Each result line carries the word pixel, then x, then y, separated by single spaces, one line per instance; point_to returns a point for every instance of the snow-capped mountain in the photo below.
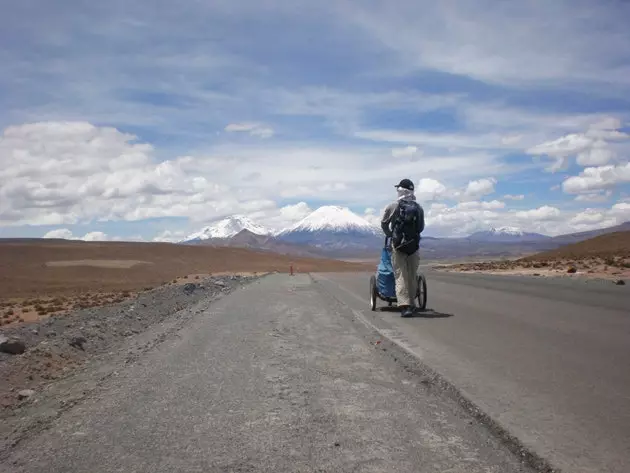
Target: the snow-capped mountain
pixel 333 228
pixel 227 228
pixel 507 234
pixel 333 218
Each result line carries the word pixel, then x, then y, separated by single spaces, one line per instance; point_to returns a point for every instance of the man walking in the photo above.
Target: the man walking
pixel 402 222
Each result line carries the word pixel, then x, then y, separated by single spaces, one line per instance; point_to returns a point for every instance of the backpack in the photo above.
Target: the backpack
pixel 405 226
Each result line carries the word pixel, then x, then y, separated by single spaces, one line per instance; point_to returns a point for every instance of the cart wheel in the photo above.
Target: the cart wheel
pixel 422 292
pixel 373 293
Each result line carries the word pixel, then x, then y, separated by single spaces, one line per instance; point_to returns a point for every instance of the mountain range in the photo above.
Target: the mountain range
pixel 507 234
pixel 333 231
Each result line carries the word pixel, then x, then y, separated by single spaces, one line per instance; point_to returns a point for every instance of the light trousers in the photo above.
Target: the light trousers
pixel 406 274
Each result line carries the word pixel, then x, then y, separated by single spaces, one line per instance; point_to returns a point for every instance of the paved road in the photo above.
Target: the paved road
pixel 549 359
pixel 276 377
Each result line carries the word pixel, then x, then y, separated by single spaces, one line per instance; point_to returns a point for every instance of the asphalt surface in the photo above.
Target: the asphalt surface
pixel 548 359
pixel 276 377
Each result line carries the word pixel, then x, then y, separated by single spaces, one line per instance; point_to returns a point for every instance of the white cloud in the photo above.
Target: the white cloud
pixel 60 233
pixel 511 139
pixel 594 197
pixel 468 217
pixel 590 219
pixel 65 173
pixel 478 189
pixel 621 211
pixel 597 155
pixel 564 146
pixel 170 236
pixel 483 41
pixel 95 236
pixel 597 178
pixel 591 148
pixel 514 196
pixel 429 189
pixel 371 215
pixel 459 220
pixel 411 152
pixel 282 217
pixel 67 234
pixel 469 141
pixel 543 213
pixel 254 129
pixel 328 190
pixel 60 173
pixel 483 205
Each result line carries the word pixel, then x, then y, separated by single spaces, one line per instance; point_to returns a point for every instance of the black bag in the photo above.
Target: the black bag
pixel 405 227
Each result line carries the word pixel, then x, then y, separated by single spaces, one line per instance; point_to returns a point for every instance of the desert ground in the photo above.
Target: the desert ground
pixel 604 257
pixel 39 278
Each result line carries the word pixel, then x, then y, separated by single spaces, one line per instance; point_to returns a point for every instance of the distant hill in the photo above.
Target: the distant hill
pixel 615 244
pixel 581 236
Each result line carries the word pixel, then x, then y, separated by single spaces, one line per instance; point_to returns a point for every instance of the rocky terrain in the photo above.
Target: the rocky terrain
pixel 603 257
pixel 49 365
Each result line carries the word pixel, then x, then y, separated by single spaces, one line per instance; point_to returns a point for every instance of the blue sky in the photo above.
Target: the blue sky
pixel 148 120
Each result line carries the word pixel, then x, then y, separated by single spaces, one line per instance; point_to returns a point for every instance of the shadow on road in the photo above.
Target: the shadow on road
pixel 432 314
pixel 427 313
pixel 390 309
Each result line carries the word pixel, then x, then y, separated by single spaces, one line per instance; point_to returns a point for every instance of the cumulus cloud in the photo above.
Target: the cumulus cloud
pixel 170 236
pixel 60 173
pixel 461 219
pixel 467 217
pixel 429 189
pixel 477 189
pixel 254 129
pixel 277 219
pixel 597 178
pixel 95 236
pixel 591 218
pixel 598 154
pixel 60 233
pixel 67 234
pixel 513 196
pixel 591 148
pixel 543 213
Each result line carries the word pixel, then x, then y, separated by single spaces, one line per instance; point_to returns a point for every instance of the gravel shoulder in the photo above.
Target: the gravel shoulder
pixel 69 357
pixel 275 377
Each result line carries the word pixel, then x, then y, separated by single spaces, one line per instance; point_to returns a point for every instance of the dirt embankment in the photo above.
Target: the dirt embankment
pixel 49 365
pixel 604 257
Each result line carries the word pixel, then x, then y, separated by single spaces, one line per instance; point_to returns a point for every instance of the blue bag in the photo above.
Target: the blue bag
pixel 385 279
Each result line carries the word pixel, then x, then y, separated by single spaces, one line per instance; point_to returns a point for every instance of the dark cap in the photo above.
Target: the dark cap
pixel 406 184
